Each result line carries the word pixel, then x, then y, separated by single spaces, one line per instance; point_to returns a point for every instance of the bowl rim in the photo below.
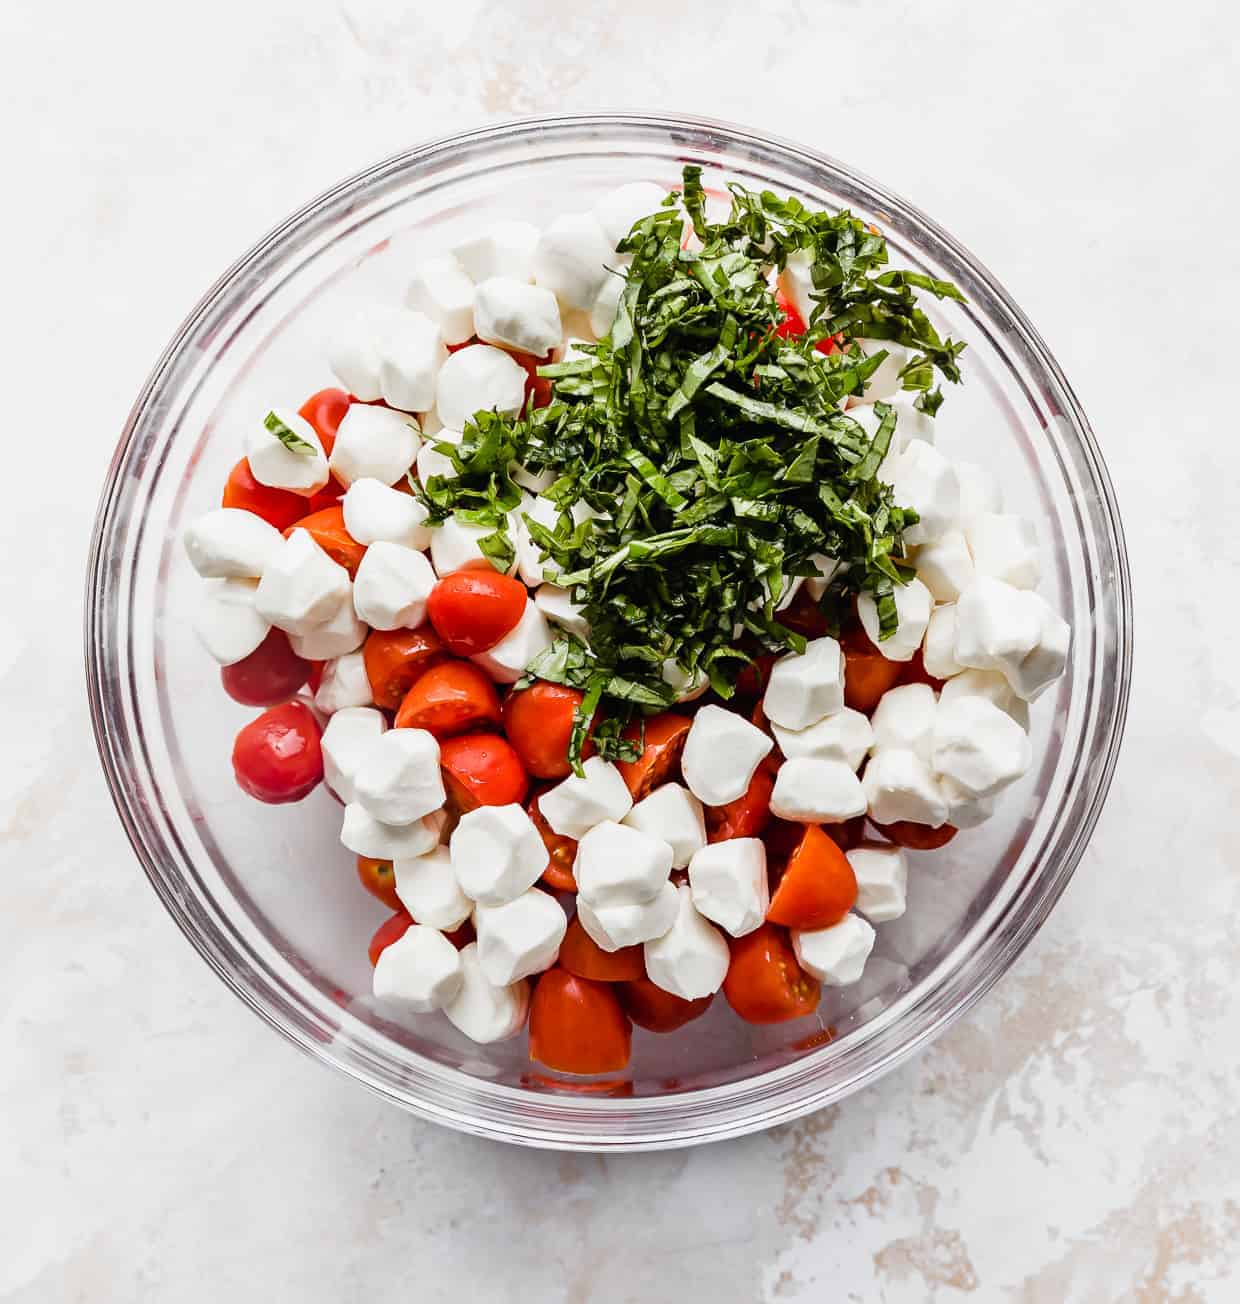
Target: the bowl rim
pixel 746 1113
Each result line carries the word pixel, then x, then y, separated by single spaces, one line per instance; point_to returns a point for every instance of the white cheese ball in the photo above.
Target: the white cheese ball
pixel 374 443
pixel 478 378
pixel 913 607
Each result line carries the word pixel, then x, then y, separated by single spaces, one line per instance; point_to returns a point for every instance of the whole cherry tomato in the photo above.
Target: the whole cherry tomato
pixel 753 678
pixel 327 529
pixel 538 721
pixel 277 757
pixel 581 955
pixel 818 886
pixel 379 880
pixel 748 815
pixel 482 770
pixel 664 741
pixel 449 698
pixel 396 659
pixel 577 1026
pixel 765 984
pixel 277 507
pixel 916 837
pixel 867 673
pixel 271 674
pixel 472 610
pixel 325 411
pixel 391 930
pixel 561 851
pixel 652 1008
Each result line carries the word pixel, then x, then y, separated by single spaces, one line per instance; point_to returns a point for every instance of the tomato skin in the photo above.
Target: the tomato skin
pixel 327 529
pixel 277 757
pixel 325 411
pixel 539 722
pixel 584 958
pixel 379 880
pixel 482 770
pixel 578 1026
pixel 848 835
pixel 793 324
pixel 391 930
pixel 753 678
pixel 650 1007
pixel 396 659
pixel 473 609
pixel 867 673
pixel 915 672
pixel 537 388
pixel 804 616
pixel 818 886
pixel 765 984
pixel 665 740
pixel 271 674
pixel 561 852
pixel 748 815
pixel 916 837
pixel 449 698
pixel 277 507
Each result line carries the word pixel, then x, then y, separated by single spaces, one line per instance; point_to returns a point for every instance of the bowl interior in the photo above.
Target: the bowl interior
pixel 269 895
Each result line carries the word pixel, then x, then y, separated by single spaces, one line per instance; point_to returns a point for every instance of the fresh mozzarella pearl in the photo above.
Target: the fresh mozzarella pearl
pixel 301 586
pixel 354 356
pixel 996 625
pixel 882 881
pixel 691 959
pixel 427 887
pixel 392 586
pixel 374 443
pixel 979 491
pixel 978 746
pixel 376 513
pixel 620 209
pixel 722 751
pixel 576 804
pixel 345 683
pixel 991 685
pixel 560 609
pixel 811 791
pixel 572 258
pixel 828 568
pixel 964 809
pixel 618 865
pixel 904 717
pixel 519 938
pixel 227 621
pixel 884 384
pixel 420 970
pixel 922 478
pixel 411 351
pixel 1005 547
pixel 364 835
pixel 348 736
pixel 478 378
pixel 913 607
pixel 337 636
pixel 836 956
pixel 518 315
pixel 845 736
pixel 603 309
pixel 454 545
pixel 231 544
pixel 729 884
pixel 938 649
pixel 430 461
pixel 442 289
pixel 899 785
pixel 497 853
pixel 614 927
pixel 504 248
pixel 509 659
pixel 945 566
pixel 688 686
pixel 399 780
pixel 1045 661
pixel 483 1012
pixel 805 687
pixel 673 814
pixel 272 464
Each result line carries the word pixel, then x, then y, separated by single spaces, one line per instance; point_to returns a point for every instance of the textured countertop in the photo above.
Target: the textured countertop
pixel 1076 1137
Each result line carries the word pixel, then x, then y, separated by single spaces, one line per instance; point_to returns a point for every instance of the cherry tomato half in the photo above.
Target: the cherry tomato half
pixel 379 880
pixel 848 835
pixel 539 722
pixel 327 529
pixel 277 757
pixel 803 615
pixel 765 984
pixel 271 674
pixel 396 659
pixel 581 955
pixel 665 740
pixel 561 852
pixel 472 610
pixel 753 678
pixel 325 411
pixel 391 930
pixel 651 1007
pixel 578 1026
pixel 818 886
pixel 916 837
pixel 482 770
pixel 277 507
pixel 449 698
pixel 537 388
pixel 915 672
pixel 748 815
pixel 867 673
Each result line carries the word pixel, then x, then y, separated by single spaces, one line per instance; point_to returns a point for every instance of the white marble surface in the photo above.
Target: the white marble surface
pixel 1077 1137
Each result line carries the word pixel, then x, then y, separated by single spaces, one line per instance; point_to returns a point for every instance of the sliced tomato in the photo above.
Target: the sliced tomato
pixel 867 673
pixel 378 878
pixel 578 1026
pixel 328 530
pixel 848 835
pixel 482 770
pixel 448 699
pixel 753 678
pixel 271 674
pixel 916 837
pixel 765 984
pixel 561 852
pixel 748 815
pixel 325 411
pixel 472 610
pixel 537 388
pixel 803 616
pixel 539 723
pixel 391 930
pixel 817 887
pixel 652 1008
pixel 277 507
pixel 580 954
pixel 277 757
pixel 664 741
pixel 396 659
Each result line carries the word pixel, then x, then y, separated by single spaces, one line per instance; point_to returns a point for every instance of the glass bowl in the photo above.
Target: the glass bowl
pixel 267 894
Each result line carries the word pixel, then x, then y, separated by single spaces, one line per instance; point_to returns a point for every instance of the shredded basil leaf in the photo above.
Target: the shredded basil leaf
pixel 288 436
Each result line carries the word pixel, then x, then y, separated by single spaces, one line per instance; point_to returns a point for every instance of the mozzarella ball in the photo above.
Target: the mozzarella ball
pixel 904 717
pixel 922 478
pixel 509 659
pixel 478 378
pixel 560 609
pixel 519 938
pixel 881 872
pixel 411 352
pixel 603 309
pixel 810 791
pixel 337 636
pixel 620 209
pixel 836 956
pixel 899 785
pixel 884 383
pixel 376 513
pixel 364 835
pixel 691 959
pixel 673 814
pixel 517 315
pixel 845 736
pixel 1005 547
pixel 945 566
pixel 344 683
pixel 978 746
pixel 618 865
pixel 721 753
pixel 420 970
pixel 229 543
pixel 300 471
pixel 392 586
pixel 805 687
pixel 442 290
pixel 483 1012
pixel 576 804
pixel 348 736
pixel 615 927
pixel 572 257
pixel 913 607
pixel 301 586
pixel 374 443
pixel 503 248
pixel 227 619
pixel 938 648
pixel 427 887
pixel 729 884
pixel 400 781
pixel 497 853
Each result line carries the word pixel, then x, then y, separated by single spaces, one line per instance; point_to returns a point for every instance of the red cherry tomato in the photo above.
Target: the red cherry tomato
pixel 538 721
pixel 915 672
pixel 277 507
pixel 818 886
pixel 582 956
pixel 472 610
pixel 537 388
pixel 396 659
pixel 325 411
pixel 765 984
pixel 329 496
pixel 449 698
pixel 391 930
pixel 315 677
pixel 753 678
pixel 482 770
pixel 665 740
pixel 867 673
pixel 793 325
pixel 327 529
pixel 561 852
pixel 659 1011
pixel 271 674
pixel 748 815
pixel 379 880
pixel 916 837
pixel 277 757
pixel 577 1026
pixel 803 615
pixel 848 835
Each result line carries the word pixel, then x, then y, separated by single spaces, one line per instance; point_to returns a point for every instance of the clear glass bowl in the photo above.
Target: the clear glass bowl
pixel 268 895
